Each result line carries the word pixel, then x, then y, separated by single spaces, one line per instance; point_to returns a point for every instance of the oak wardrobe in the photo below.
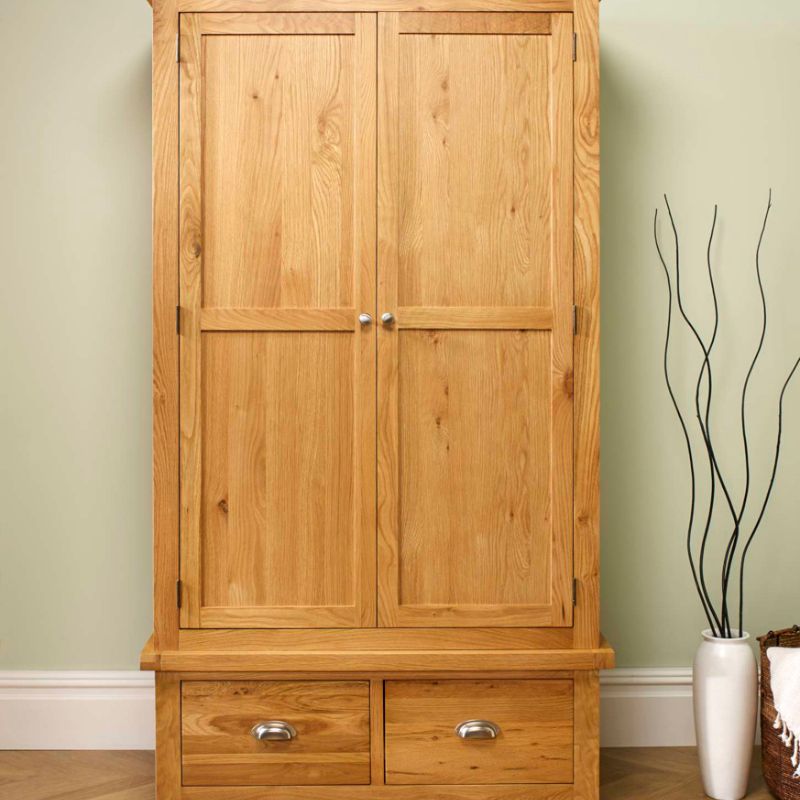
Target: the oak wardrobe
pixel 376 436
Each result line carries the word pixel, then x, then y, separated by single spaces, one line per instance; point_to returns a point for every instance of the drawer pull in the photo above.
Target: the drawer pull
pixel 477 729
pixel 273 731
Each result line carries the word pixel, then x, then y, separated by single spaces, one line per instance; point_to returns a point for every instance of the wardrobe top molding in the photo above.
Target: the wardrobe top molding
pixel 187 6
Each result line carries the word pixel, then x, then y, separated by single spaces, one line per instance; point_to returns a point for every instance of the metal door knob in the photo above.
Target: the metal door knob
pixel 387 318
pixel 365 319
pixel 477 729
pixel 273 731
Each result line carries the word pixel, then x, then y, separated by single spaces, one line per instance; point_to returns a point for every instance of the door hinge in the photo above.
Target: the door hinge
pixel 179 592
pixel 574 320
pixel 574 591
pixel 178 48
pixel 574 47
pixel 178 320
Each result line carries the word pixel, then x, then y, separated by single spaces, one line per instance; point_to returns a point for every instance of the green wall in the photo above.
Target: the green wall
pixel 698 100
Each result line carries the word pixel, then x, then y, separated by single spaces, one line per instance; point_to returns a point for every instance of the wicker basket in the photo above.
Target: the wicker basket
pixel 775 756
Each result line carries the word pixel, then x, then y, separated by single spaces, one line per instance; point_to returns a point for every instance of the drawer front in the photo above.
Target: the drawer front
pixel 328 722
pixel 534 732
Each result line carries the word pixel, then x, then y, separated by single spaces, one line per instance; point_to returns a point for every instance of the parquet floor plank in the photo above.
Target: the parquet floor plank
pixel 626 774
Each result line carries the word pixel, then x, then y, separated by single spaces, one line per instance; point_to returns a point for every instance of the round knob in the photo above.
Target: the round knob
pixel 387 318
pixel 365 319
pixel 274 731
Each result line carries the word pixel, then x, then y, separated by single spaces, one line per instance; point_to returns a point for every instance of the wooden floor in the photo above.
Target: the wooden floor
pixel 629 774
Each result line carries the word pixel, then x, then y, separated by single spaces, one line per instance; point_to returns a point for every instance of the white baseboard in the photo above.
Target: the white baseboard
pixel 77 711
pixel 646 708
pixel 114 710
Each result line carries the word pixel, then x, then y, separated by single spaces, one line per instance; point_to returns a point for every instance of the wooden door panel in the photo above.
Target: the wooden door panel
pixel 475 374
pixel 474 409
pixel 279 192
pixel 278 504
pixel 277 375
pixel 474 193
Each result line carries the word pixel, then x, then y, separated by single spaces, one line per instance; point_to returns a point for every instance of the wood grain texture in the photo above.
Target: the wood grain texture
pixel 475 318
pixel 77 774
pixel 374 5
pixel 475 231
pixel 562 343
pixel 587 735
pixel 376 726
pixel 634 773
pixel 478 22
pixel 278 429
pixel 277 319
pixel 476 477
pixel 386 662
pixel 475 190
pixel 587 343
pixel 303 24
pixel 168 736
pixel 534 745
pixel 278 170
pixel 332 745
pixel 378 639
pixel 165 342
pixel 278 380
pixel 191 301
pixel 496 792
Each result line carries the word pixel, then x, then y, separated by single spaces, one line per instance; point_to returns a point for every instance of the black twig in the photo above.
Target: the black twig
pixel 704 599
pixel 767 496
pixel 706 368
pixel 730 553
pixel 720 623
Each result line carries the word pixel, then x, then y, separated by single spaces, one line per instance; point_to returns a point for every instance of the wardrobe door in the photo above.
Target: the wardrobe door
pixel 277 261
pixel 475 228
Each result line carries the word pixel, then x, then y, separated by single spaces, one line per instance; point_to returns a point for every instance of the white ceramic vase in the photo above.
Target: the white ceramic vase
pixel 725 685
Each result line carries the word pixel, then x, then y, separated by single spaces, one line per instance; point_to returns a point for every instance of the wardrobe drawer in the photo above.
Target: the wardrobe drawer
pixel 318 733
pixel 531 720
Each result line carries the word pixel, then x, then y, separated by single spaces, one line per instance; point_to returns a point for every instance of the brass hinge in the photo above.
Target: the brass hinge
pixel 574 591
pixel 574 47
pixel 178 320
pixel 179 592
pixel 574 320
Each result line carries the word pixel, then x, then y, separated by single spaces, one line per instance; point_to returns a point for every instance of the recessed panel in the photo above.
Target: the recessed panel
pixel 475 468
pixel 277 526
pixel 475 193
pixel 278 171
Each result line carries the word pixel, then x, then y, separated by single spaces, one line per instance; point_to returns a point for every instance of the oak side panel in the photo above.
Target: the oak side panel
pixel 191 301
pixel 168 735
pixel 587 735
pixel 562 407
pixel 587 342
pixel 165 341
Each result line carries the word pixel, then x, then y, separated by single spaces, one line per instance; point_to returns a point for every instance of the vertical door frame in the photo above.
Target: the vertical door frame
pixel 363 611
pixel 559 612
pixel 166 566
pixel 586 502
